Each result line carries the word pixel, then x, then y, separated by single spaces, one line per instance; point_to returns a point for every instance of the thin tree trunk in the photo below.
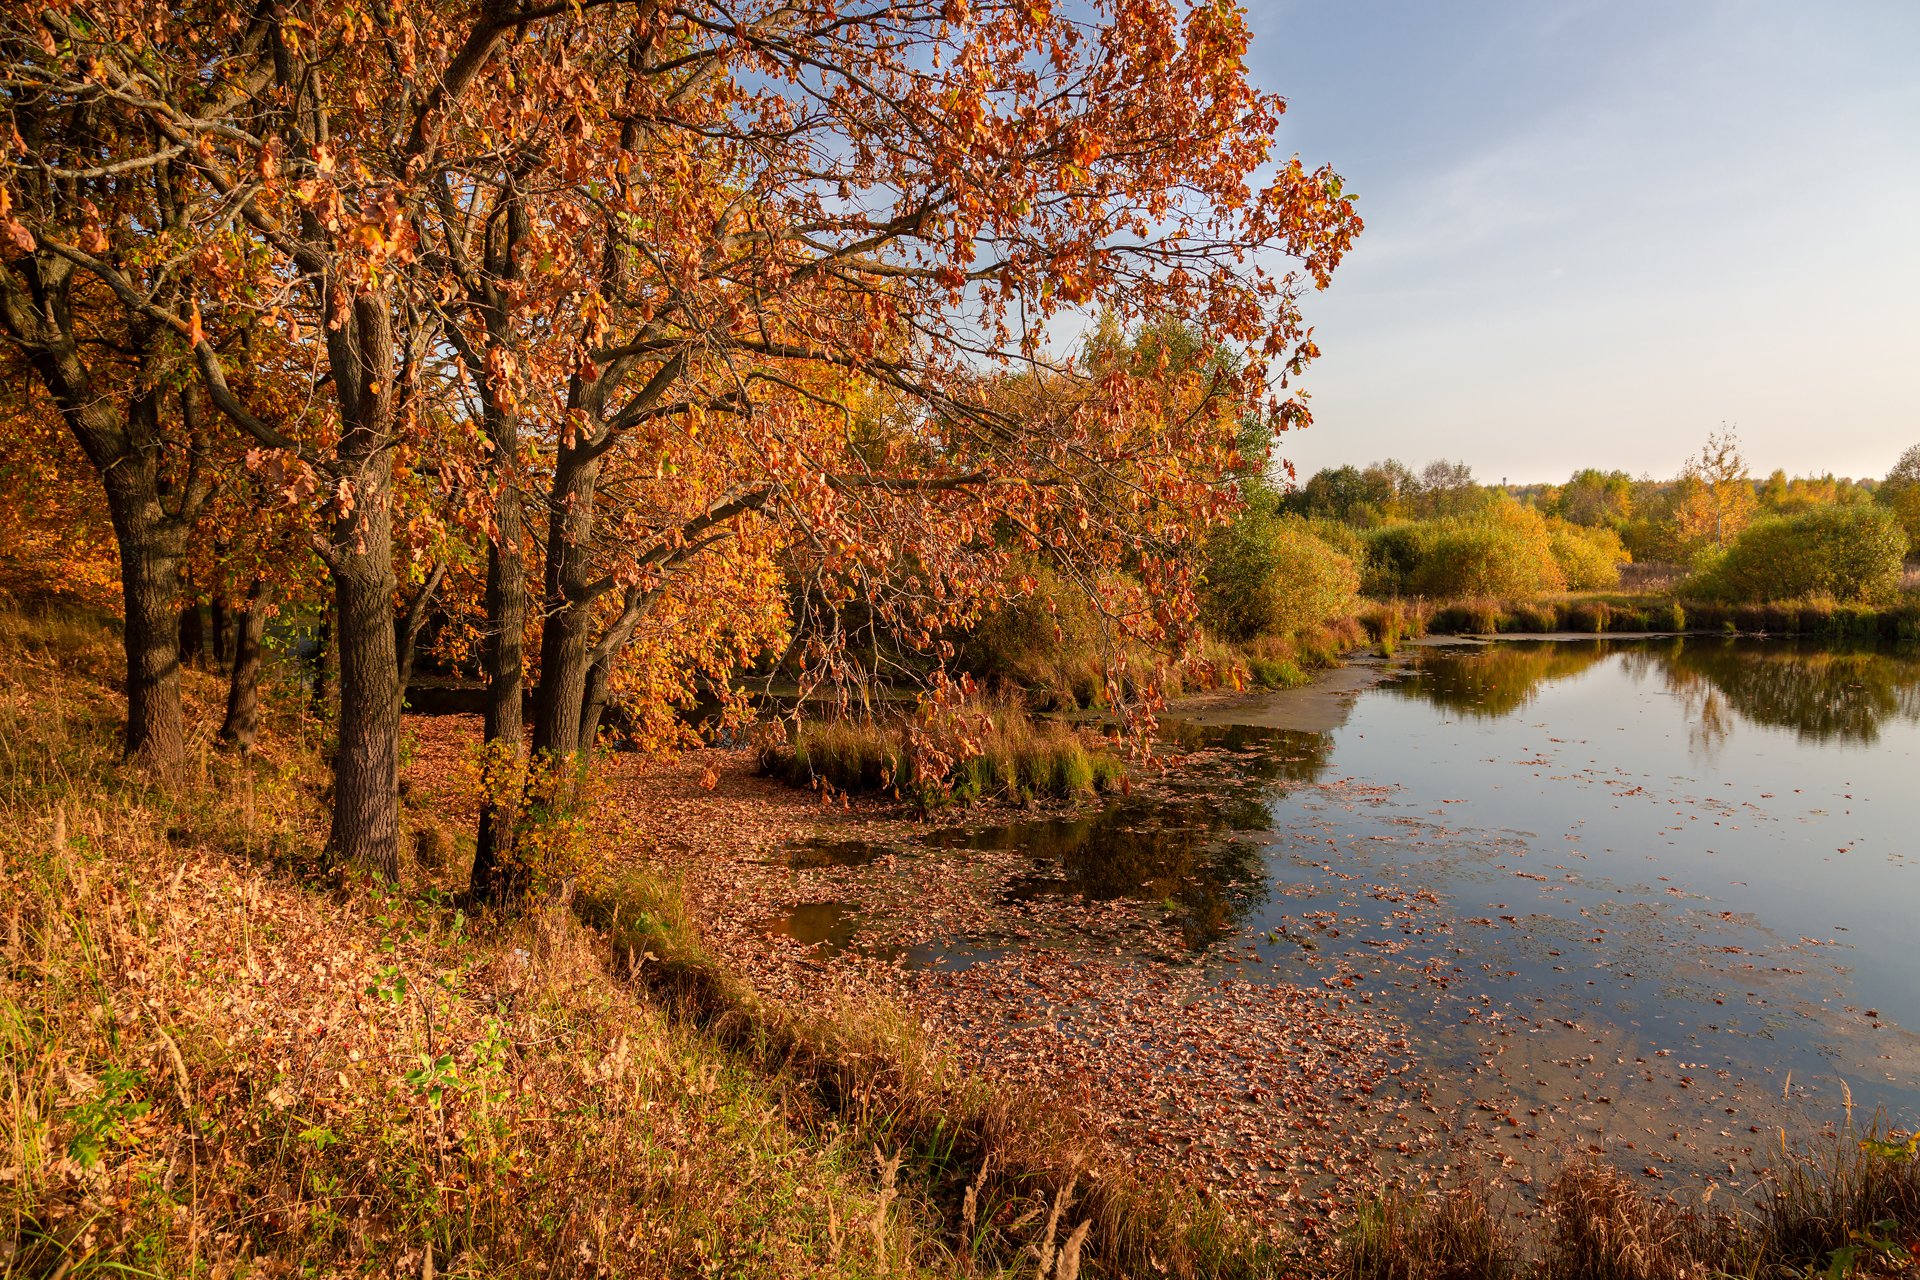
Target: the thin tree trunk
pixel 406 628
pixel 242 725
pixel 221 630
pixel 324 670
pixel 506 693
pixel 193 635
pixel 600 672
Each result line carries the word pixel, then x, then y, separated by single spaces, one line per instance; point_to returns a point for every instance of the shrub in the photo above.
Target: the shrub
pixel 1507 554
pixel 1589 559
pixel 1047 645
pixel 1270 575
pixel 1850 553
pixel 1505 551
pixel 1395 554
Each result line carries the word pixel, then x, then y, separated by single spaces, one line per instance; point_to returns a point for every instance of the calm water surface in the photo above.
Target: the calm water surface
pixel 1683 872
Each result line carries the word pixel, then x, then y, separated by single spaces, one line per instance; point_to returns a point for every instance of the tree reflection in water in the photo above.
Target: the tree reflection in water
pixel 1822 694
pixel 1171 844
pixel 1494 680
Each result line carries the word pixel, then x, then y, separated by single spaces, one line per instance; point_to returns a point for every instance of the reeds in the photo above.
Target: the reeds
pixel 1849 1208
pixel 1015 757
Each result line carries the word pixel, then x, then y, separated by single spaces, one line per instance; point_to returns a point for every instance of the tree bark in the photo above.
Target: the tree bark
pixel 193 635
pixel 407 627
pixel 506 690
pixel 366 762
pixel 565 636
pixel 600 671
pixel 222 630
pixel 242 724
pixel 150 586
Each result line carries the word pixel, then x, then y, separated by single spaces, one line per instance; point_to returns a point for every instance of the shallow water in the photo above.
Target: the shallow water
pixel 1666 889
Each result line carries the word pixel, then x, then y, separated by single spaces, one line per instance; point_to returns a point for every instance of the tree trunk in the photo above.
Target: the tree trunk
pixel 324 671
pixel 594 703
pixel 150 588
pixel 221 631
pixel 506 693
pixel 565 646
pixel 600 673
pixel 122 440
pixel 242 724
pixel 366 763
pixel 193 635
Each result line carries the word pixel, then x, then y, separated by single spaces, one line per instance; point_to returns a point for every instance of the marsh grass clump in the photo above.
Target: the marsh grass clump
pixel 1847 1208
pixel 1601 1226
pixel 1010 756
pixel 1451 1236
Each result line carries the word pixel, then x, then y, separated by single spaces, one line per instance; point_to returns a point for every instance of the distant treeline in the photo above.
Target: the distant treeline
pixel 1439 533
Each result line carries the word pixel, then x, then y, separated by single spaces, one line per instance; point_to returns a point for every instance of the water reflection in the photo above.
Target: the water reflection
pixel 1171 844
pixel 1821 694
pixel 1494 680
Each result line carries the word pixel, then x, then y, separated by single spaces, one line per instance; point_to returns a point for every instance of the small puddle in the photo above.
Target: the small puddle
pixel 811 855
pixel 828 927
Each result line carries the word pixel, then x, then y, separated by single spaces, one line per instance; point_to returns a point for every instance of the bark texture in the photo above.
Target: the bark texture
pixel 242 724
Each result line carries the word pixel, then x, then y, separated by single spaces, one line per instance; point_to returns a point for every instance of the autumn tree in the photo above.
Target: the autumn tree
pixel 1900 491
pixel 111 368
pixel 1716 498
pixel 753 228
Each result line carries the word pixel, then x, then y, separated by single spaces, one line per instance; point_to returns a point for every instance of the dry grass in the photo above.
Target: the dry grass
pixel 214 1064
pixel 1848 1212
pixel 1600 613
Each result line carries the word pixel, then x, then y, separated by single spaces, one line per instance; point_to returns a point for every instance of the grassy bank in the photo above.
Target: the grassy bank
pixel 1604 613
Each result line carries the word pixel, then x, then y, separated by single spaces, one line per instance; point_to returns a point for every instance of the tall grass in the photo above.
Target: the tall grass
pixel 1600 614
pixel 1849 1209
pixel 1015 758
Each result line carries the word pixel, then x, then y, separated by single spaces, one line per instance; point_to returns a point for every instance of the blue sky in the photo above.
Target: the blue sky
pixel 1597 229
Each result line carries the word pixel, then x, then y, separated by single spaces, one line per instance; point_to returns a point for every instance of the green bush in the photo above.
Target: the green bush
pixel 1395 554
pixel 1271 575
pixel 1045 645
pixel 1589 559
pixel 1850 553
pixel 1506 554
pixel 1504 551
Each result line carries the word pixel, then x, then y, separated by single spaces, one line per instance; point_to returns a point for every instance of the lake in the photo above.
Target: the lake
pixel 1654 898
